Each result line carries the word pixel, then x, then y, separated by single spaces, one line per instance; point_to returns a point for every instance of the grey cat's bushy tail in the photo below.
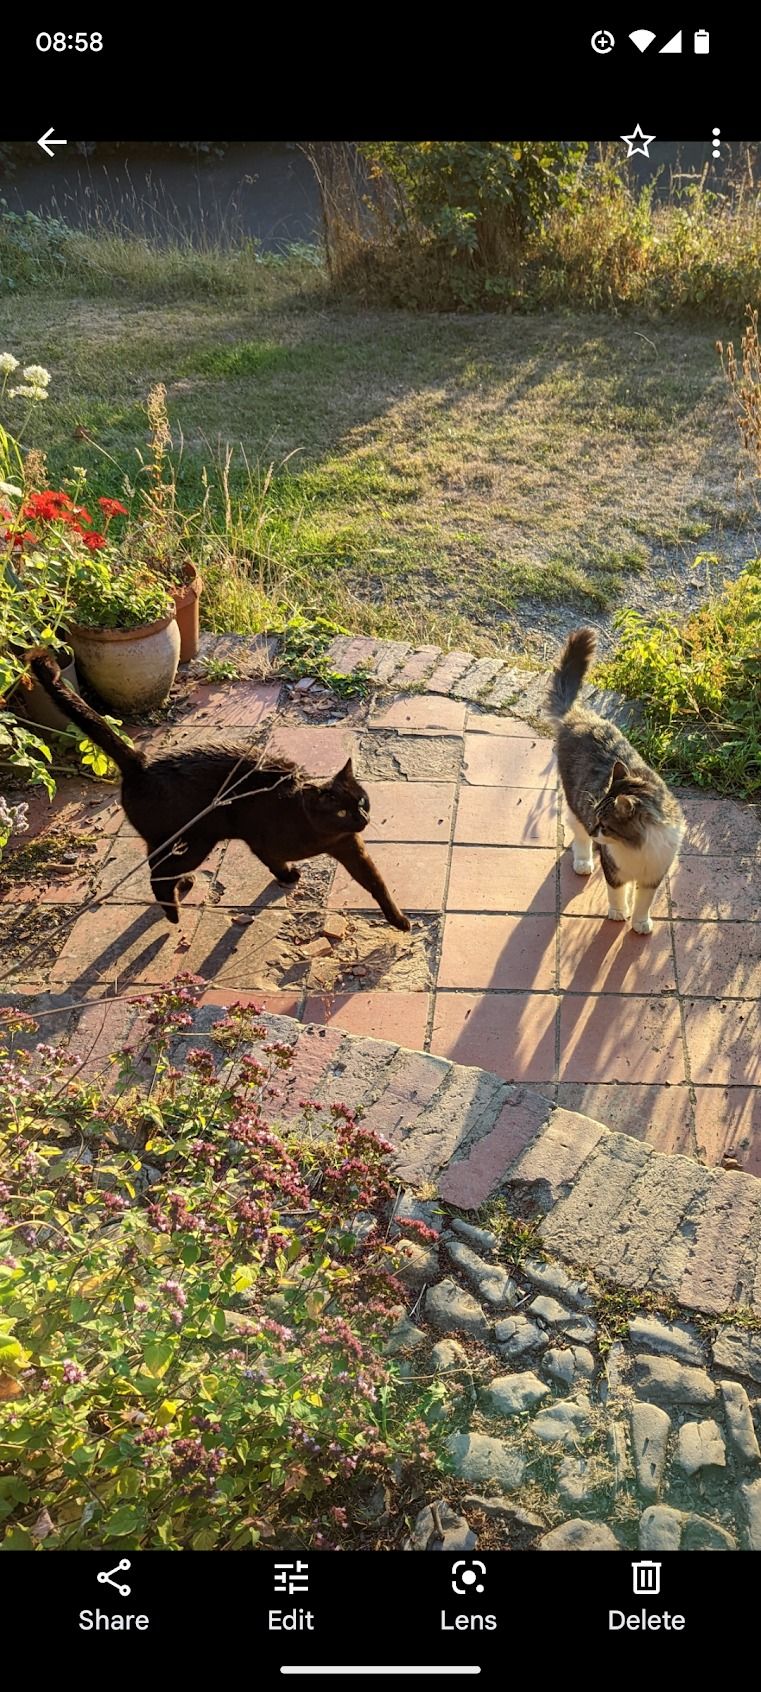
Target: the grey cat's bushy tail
pixel 577 656
pixel 124 755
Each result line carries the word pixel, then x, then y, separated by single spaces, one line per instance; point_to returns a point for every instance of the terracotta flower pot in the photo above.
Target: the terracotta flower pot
pixel 36 704
pixel 187 613
pixel 132 669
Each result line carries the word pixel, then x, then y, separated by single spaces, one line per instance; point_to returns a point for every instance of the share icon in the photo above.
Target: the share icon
pixel 105 1577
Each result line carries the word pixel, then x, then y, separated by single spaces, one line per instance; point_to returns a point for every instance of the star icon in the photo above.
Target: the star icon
pixel 637 142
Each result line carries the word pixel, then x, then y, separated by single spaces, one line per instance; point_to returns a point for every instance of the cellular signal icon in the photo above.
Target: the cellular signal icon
pixel 642 38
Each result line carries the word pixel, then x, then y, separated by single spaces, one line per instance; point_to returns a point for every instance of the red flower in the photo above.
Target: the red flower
pixel 81 511
pixel 45 507
pixel 94 541
pixel 52 507
pixel 21 537
pixel 112 507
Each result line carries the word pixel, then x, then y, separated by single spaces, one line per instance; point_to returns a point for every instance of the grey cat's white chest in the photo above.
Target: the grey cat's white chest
pixel 649 862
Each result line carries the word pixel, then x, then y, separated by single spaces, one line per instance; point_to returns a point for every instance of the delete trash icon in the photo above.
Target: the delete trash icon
pixel 646 1577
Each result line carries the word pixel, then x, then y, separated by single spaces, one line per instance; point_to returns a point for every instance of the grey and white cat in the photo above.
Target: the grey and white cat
pixel 619 806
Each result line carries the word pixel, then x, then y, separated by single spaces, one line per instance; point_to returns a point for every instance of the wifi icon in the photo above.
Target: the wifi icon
pixel 642 38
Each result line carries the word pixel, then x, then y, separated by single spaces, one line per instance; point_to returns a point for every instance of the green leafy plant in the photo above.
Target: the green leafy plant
pixel 93 757
pixel 443 223
pixel 219 670
pixel 700 686
pixel 193 1306
pixel 26 753
pixel 304 642
pixel 31 247
pixel 480 197
pixel 124 598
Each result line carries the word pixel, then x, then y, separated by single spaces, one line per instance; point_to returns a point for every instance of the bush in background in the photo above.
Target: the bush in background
pixel 460 225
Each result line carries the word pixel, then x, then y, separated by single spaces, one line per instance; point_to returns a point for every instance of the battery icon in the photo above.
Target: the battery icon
pixel 701 40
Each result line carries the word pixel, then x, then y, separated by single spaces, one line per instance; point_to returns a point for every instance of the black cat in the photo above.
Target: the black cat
pixel 226 793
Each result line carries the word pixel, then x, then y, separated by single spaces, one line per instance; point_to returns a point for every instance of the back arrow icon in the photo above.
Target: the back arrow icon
pixel 48 141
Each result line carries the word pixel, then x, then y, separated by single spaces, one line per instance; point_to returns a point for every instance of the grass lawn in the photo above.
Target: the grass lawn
pixel 436 477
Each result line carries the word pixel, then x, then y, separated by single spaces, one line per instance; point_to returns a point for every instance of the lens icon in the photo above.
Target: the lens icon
pixel 603 41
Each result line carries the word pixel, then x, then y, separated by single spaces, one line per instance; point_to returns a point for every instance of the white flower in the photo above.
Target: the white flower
pixel 7 364
pixel 13 818
pixel 9 489
pixel 29 392
pixel 37 374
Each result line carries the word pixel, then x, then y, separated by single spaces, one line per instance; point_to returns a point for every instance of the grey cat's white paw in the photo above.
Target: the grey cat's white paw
pixel 643 925
pixel 583 866
pixel 616 915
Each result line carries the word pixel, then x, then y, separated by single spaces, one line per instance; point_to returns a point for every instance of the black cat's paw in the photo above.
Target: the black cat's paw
pixel 171 913
pixel 400 921
pixel 288 875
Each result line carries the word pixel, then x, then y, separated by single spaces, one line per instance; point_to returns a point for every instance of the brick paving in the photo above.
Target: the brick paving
pixel 605 1201
pixel 511 966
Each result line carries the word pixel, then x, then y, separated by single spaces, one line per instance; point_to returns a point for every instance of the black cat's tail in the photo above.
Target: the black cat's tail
pixel 125 756
pixel 577 656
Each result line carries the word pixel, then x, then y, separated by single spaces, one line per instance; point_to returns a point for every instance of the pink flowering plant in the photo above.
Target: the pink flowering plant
pixel 193 1306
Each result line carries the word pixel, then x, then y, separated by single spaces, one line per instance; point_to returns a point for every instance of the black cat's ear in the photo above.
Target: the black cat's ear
pixel 347 773
pixel 620 772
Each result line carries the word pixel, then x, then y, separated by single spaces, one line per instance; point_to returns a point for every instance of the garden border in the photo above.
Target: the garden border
pixel 610 1205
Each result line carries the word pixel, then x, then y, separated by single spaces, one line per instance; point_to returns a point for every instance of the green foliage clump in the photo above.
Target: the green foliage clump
pixel 33 248
pixel 699 683
pixel 525 225
pixel 444 223
pixel 479 197
pixel 129 598
pixel 303 652
pixel 617 247
pixel 193 1306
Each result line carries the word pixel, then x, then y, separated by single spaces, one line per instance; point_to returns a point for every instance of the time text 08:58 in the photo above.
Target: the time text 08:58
pixel 63 43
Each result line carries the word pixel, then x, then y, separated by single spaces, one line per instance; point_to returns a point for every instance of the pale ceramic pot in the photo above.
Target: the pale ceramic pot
pixel 37 706
pixel 131 669
pixel 187 613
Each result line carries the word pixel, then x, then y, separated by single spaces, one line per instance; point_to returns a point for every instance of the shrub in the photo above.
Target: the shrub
pixel 596 253
pixel 442 224
pixel 192 1306
pixel 527 225
pixel 33 248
